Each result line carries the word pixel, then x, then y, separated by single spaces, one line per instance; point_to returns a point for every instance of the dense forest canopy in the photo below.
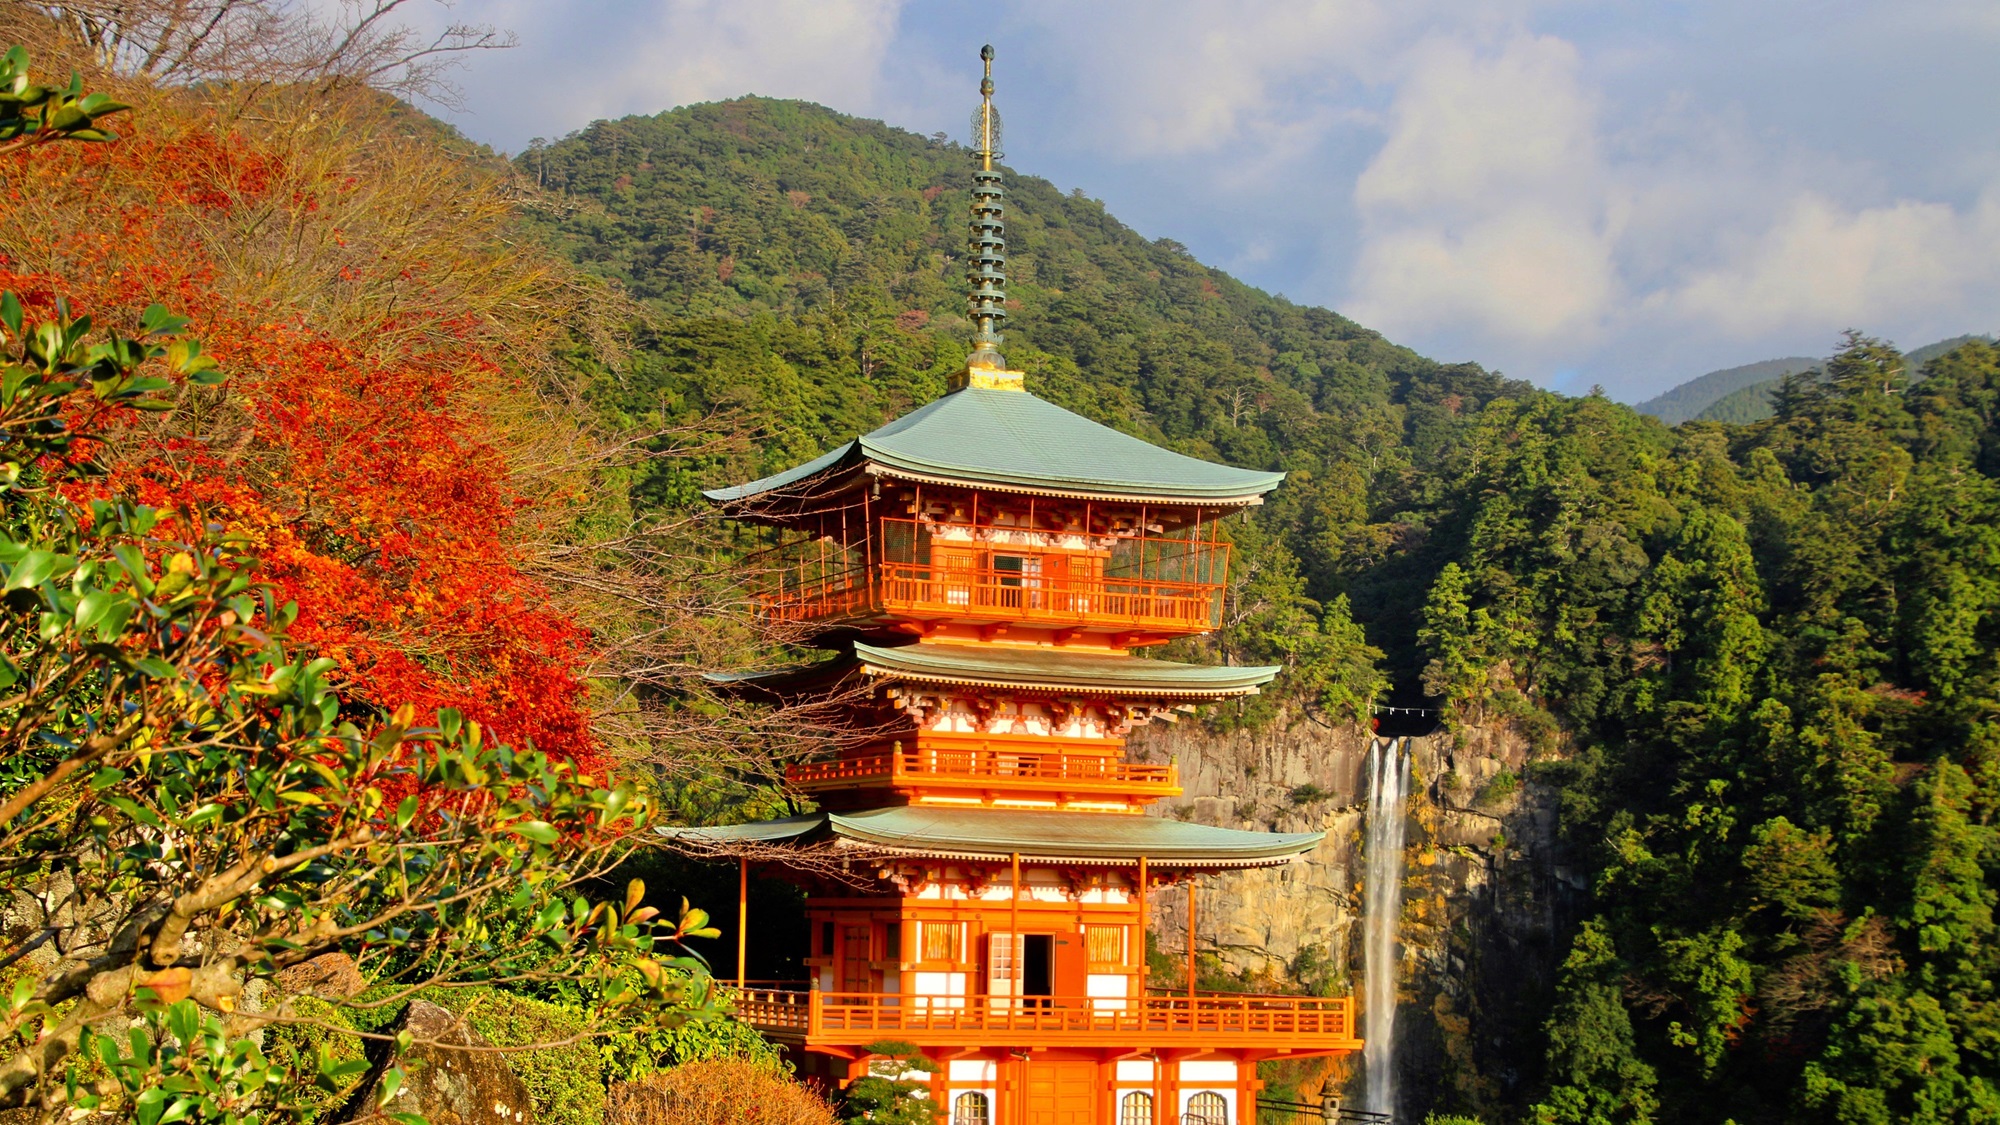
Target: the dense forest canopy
pixel 1757 662
pixel 804 267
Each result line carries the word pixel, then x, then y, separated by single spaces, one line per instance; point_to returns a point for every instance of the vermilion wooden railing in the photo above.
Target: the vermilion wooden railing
pixel 976 765
pixel 931 591
pixel 843 1016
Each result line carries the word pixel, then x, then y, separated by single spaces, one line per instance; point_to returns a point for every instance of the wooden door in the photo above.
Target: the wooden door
pixel 856 974
pixel 1061 1092
pixel 1071 968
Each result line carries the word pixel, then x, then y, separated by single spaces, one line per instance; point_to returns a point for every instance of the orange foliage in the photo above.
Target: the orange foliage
pixel 354 443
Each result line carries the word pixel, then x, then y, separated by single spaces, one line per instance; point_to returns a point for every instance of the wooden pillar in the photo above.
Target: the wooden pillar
pixel 1190 969
pixel 742 916
pixel 1142 934
pixel 1016 948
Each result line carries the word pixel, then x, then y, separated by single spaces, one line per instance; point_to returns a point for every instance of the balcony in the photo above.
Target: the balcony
pixel 992 764
pixel 908 570
pixel 1290 1024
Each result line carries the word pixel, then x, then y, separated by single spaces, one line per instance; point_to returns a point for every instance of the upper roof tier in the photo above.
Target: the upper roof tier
pixel 1008 440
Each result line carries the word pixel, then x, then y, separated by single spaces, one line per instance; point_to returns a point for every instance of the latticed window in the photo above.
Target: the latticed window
pixel 1000 964
pixel 940 941
pixel 970 1109
pixel 1106 944
pixel 1136 1108
pixel 1206 1108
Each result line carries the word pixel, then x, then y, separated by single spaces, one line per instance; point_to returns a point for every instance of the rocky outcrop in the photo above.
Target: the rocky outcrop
pixel 444 1082
pixel 1268 923
pixel 329 976
pixel 1487 899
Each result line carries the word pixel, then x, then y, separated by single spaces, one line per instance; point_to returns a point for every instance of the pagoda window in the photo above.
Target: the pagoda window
pixel 1206 1108
pixel 1106 945
pixel 826 939
pixel 1136 1108
pixel 972 1109
pixel 942 942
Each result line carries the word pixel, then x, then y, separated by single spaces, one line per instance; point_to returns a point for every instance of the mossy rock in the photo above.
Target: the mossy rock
pixel 566 1080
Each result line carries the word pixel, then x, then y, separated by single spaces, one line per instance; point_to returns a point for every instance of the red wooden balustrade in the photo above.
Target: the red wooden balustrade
pixel 920 765
pixel 843 1017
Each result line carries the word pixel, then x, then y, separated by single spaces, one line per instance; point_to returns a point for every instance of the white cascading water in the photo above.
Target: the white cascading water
pixel 1382 910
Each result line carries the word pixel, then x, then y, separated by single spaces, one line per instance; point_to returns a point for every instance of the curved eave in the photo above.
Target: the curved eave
pixel 1056 669
pixel 794 483
pixel 990 835
pixel 1008 441
pixel 1021 669
pixel 1192 863
pixel 1058 685
pixel 1236 495
pixel 771 495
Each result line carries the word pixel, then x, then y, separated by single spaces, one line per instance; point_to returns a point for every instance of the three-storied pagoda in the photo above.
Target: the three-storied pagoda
pixel 983 568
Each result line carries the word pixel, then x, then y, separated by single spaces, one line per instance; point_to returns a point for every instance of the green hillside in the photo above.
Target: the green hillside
pixel 1743 406
pixel 805 269
pixel 1689 399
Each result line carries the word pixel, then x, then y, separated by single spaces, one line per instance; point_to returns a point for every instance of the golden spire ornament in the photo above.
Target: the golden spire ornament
pixel 987 271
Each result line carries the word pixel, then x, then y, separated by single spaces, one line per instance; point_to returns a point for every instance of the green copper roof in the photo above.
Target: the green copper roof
pixel 1023 667
pixel 1011 438
pixel 996 833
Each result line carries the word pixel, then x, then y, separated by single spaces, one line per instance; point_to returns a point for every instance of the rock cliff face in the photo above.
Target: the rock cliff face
pixel 1487 900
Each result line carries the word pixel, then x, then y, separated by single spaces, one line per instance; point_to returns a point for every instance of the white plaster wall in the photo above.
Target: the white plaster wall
pixel 1135 1070
pixel 940 990
pixel 1208 1070
pixel 973 1070
pixel 1107 990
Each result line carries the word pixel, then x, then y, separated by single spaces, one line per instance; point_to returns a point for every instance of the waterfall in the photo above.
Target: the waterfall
pixel 1382 909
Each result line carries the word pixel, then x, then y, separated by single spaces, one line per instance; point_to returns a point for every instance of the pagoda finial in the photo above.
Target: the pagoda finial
pixel 987 273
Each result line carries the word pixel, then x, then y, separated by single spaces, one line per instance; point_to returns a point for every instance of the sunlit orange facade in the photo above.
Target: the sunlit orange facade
pixel 980 867
pixel 990 826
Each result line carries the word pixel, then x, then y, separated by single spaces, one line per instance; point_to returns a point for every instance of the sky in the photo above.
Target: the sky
pixel 1626 194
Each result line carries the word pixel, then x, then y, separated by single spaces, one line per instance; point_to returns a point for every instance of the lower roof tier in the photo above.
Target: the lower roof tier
pixel 1019 667
pixel 997 834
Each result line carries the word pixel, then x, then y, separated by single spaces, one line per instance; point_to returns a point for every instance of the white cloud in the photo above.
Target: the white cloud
pixel 1507 213
pixel 1169 78
pixel 1489 207
pixel 1524 275
pixel 830 51
pixel 1821 264
pixel 579 62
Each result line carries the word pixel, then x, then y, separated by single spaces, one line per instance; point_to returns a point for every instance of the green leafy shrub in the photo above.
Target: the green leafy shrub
pixel 1501 786
pixel 884 1096
pixel 317 1031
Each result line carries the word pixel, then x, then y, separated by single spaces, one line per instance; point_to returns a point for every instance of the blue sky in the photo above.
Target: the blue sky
pixel 1619 193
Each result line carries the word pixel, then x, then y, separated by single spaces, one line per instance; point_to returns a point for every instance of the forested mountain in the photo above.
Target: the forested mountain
pixel 1757 663
pixel 1687 400
pixel 1753 403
